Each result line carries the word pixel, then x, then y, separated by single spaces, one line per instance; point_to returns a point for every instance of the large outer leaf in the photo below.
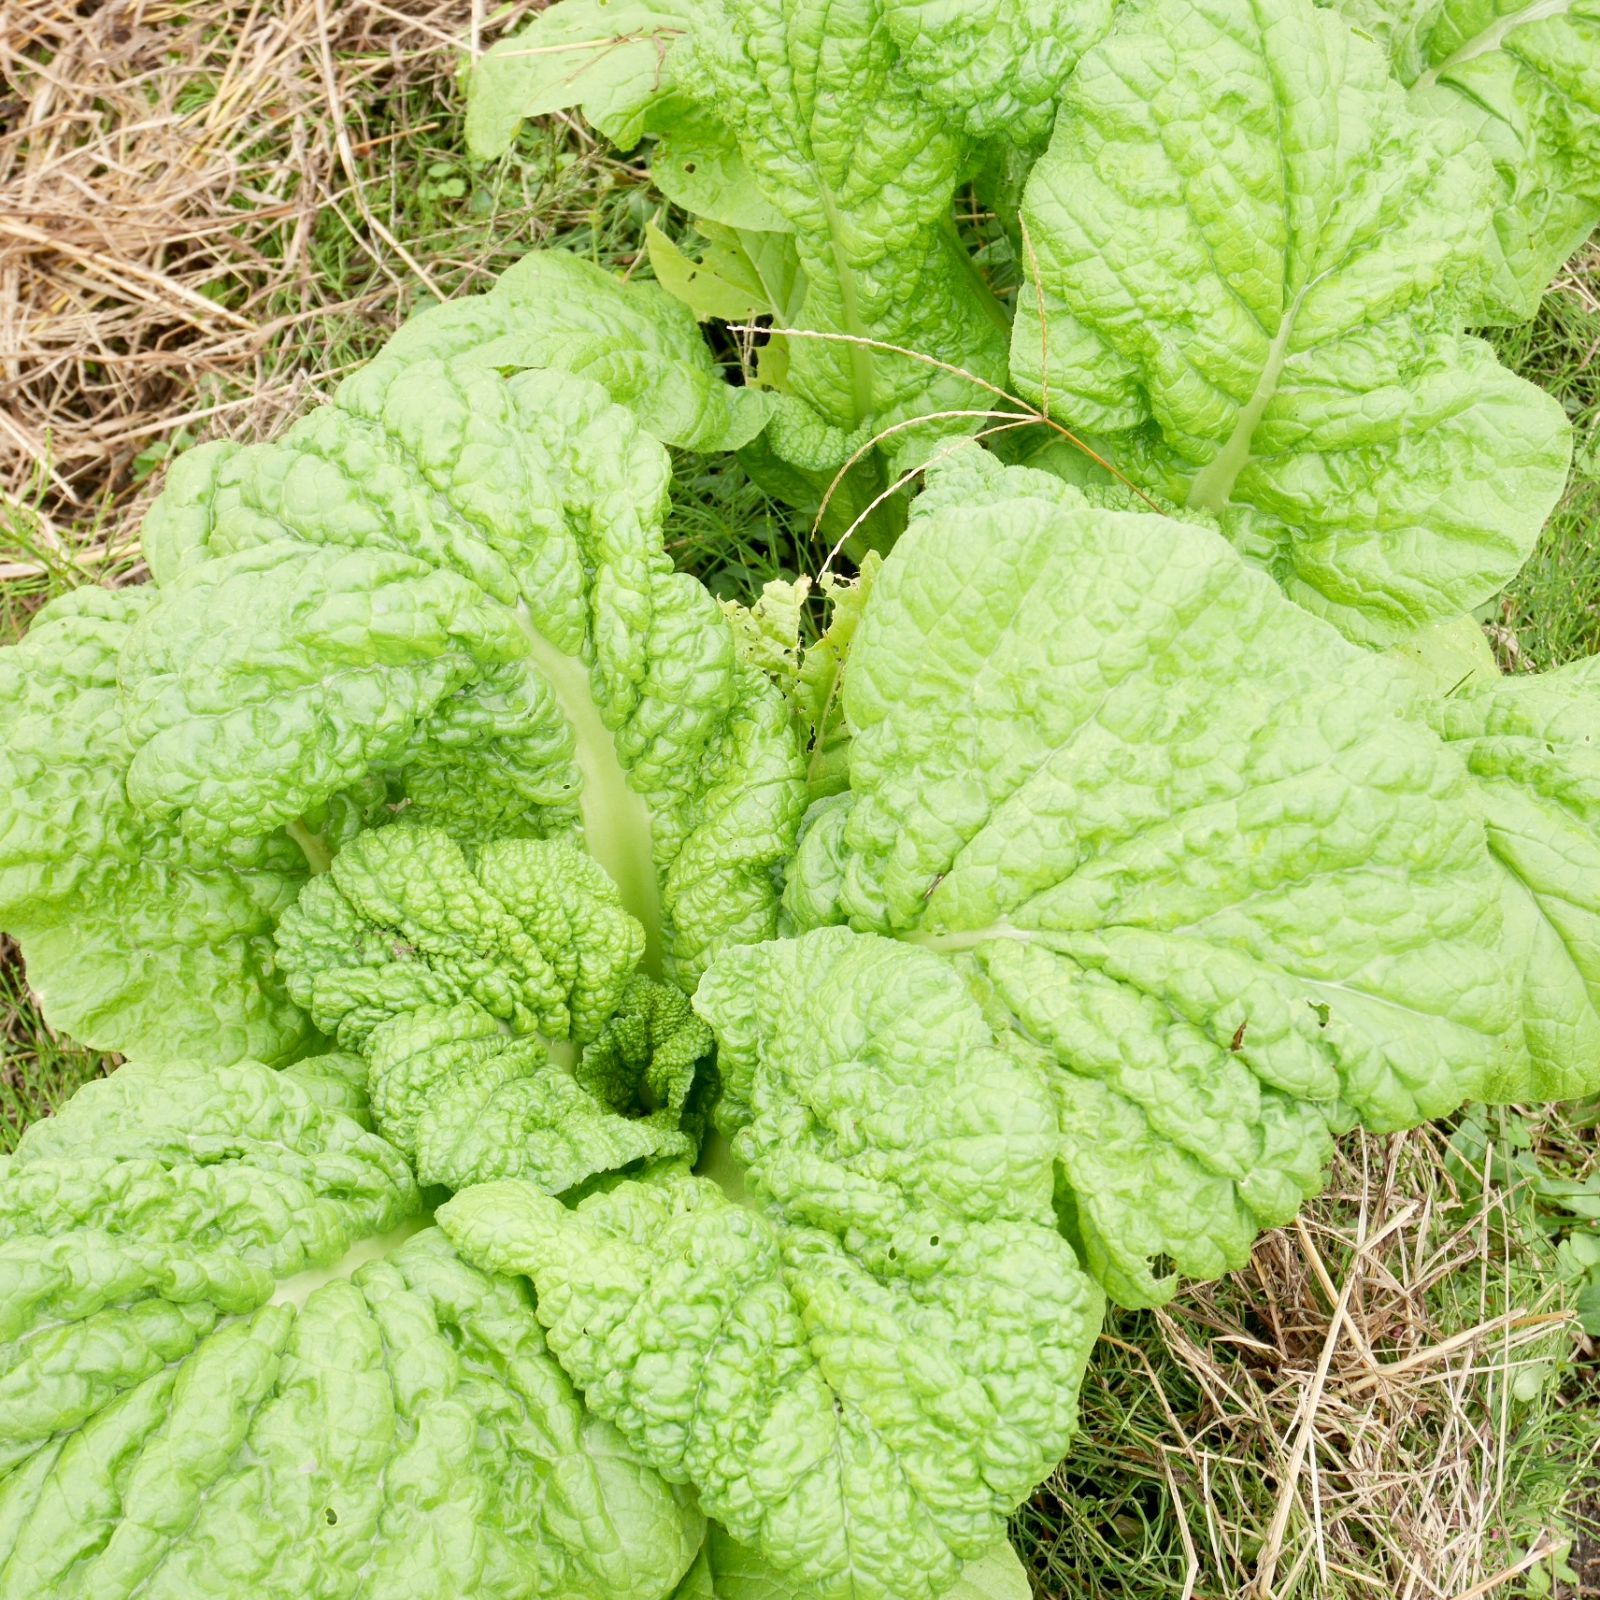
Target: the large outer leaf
pixel 1534 745
pixel 135 936
pixel 1177 838
pixel 456 579
pixel 1254 260
pixel 1525 81
pixel 864 1367
pixel 192 1405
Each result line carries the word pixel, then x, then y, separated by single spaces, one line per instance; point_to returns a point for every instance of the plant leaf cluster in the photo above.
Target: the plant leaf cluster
pixel 637 1096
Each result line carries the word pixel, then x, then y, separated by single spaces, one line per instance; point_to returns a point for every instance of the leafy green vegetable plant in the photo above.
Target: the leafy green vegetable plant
pixel 635 1100
pixel 1252 308
pixel 443 595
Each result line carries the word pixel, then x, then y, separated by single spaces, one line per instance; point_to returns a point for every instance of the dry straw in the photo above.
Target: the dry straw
pixel 163 168
pixel 1339 1419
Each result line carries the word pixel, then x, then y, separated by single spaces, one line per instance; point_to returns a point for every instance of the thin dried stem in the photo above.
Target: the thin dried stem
pixel 1020 405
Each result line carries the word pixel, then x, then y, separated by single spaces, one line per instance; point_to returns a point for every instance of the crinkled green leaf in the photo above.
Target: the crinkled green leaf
pixel 999 67
pixel 728 1570
pixel 457 582
pixel 1524 81
pixel 532 931
pixel 1533 744
pixel 1179 839
pixel 768 629
pixel 644 1060
pixel 136 937
pixel 697 164
pixel 863 1367
pixel 196 1401
pixel 640 345
pixel 1254 261
pixel 365 642
pixel 468 1103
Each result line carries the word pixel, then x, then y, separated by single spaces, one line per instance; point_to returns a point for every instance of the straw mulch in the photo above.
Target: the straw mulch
pixel 163 164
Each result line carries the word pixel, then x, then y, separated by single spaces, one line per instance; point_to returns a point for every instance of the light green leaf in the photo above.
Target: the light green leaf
pixel 1180 841
pixel 1524 81
pixel 819 688
pixel 768 630
pixel 136 937
pixel 864 171
pixel 234 1360
pixel 381 640
pixel 612 58
pixel 1447 657
pixel 697 164
pixel 722 283
pixel 1254 305
pixel 863 1366
pixel 469 1104
pixel 811 675
pixel 459 581
pixel 532 931
pixel 728 1570
pixel 1533 744
pixel 997 68
pixel 995 1575
pixel 638 343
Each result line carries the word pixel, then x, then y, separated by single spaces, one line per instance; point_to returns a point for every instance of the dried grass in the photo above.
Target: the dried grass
pixel 1369 1408
pixel 166 170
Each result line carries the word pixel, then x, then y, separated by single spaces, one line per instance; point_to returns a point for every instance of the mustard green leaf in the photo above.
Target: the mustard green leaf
pixel 1188 847
pixel 1253 300
pixel 234 1359
pixel 136 936
pixel 468 1103
pixel 1533 744
pixel 727 1570
pixel 1524 82
pixel 999 68
pixel 533 931
pixel 722 283
pixel 863 1366
pixel 553 309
